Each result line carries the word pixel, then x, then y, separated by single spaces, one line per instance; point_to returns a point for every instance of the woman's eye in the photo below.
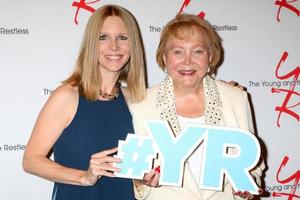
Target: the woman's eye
pixel 177 52
pixel 103 37
pixel 199 51
pixel 123 37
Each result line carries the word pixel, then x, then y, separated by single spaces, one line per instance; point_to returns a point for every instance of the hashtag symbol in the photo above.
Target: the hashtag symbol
pixel 137 154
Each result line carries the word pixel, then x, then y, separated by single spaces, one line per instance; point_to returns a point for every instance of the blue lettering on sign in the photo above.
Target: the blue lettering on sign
pixel 233 152
pixel 229 151
pixel 174 151
pixel 137 155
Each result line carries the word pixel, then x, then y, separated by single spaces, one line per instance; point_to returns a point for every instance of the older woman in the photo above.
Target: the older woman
pixel 189 51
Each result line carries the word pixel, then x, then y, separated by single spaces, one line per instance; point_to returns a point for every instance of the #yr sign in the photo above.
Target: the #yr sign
pixel 227 151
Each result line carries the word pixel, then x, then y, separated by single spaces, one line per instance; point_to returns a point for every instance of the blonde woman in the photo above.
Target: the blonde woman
pixel 85 117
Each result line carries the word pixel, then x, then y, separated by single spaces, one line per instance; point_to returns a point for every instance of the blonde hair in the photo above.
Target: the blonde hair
pixel 183 23
pixel 86 75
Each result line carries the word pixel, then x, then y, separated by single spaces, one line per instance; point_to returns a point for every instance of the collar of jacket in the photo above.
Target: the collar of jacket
pixel 165 103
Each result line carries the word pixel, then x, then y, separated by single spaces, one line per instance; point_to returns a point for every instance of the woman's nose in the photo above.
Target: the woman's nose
pixel 114 45
pixel 187 58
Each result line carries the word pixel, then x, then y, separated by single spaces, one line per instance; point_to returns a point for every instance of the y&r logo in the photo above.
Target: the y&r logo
pixel 288 5
pixel 285 107
pixel 295 177
pixel 185 4
pixel 82 4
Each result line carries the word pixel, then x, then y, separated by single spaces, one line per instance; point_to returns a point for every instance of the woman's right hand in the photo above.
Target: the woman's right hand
pixel 101 164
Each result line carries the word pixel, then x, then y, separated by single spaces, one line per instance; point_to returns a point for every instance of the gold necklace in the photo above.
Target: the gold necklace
pixel 114 95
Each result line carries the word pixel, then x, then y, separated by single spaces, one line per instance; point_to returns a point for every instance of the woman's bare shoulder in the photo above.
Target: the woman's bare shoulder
pixel 65 94
pixel 64 97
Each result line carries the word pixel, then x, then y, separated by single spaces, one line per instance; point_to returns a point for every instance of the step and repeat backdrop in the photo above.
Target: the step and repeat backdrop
pixel 39 42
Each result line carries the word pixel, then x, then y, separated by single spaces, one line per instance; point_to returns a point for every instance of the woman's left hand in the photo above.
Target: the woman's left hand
pixel 152 178
pixel 246 194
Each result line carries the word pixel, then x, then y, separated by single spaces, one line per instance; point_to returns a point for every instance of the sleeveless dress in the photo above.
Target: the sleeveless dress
pixel 97 125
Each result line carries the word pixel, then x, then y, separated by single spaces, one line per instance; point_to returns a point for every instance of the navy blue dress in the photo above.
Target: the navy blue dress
pixel 97 125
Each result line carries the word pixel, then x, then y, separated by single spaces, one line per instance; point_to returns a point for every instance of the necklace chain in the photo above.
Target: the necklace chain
pixel 114 95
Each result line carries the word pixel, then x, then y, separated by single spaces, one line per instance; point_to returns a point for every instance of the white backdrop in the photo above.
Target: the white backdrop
pixel 39 42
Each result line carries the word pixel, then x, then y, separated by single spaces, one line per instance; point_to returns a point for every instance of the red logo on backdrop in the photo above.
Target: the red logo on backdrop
pixel 185 4
pixel 288 5
pixel 82 4
pixel 295 177
pixel 285 107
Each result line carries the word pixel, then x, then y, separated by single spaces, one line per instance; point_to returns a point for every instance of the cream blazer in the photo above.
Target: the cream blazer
pixel 236 113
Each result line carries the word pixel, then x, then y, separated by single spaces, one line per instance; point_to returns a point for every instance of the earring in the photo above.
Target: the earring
pixel 209 69
pixel 165 70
